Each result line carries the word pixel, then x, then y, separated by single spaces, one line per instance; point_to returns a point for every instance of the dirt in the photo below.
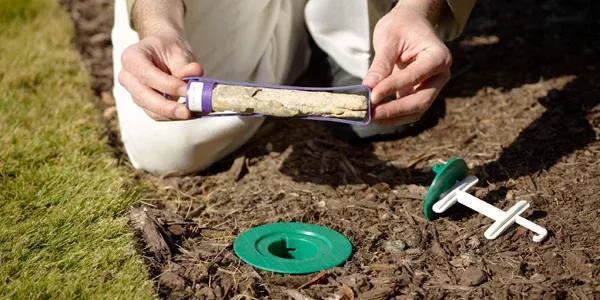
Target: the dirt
pixel 522 109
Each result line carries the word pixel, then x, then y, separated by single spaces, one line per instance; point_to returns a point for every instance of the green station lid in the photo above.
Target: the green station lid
pixel 292 248
pixel 446 176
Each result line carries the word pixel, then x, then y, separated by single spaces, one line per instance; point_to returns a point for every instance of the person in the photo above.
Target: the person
pixel 395 47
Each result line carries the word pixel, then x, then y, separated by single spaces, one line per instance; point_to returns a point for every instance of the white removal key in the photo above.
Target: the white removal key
pixel 503 219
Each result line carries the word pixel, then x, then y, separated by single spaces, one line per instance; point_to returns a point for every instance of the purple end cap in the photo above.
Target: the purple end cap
pixel 207 91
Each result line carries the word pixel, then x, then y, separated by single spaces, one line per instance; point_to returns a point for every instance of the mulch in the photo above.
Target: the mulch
pixel 522 109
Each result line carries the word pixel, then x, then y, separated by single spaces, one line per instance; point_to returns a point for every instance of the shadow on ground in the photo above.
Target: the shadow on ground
pixel 563 128
pixel 521 47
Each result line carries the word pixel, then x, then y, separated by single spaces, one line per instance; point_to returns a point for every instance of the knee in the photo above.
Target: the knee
pixel 182 148
pixel 165 155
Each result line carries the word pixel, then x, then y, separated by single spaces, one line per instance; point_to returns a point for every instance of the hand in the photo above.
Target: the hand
pixel 410 61
pixel 154 66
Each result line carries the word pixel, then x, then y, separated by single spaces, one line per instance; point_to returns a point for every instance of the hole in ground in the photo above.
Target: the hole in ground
pixel 293 248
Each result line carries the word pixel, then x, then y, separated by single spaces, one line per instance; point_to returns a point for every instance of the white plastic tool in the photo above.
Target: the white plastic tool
pixel 504 219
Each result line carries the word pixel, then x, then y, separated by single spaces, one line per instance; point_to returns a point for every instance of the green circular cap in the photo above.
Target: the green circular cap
pixel 447 176
pixel 292 248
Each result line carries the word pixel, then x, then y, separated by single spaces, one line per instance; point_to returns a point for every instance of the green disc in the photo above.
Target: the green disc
pixel 292 248
pixel 446 176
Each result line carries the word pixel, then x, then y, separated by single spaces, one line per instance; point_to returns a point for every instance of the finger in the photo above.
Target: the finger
pixel 399 94
pixel 404 92
pixel 155 117
pixel 406 119
pixel 139 65
pixel 381 67
pixel 428 63
pixel 188 70
pixel 416 103
pixel 152 101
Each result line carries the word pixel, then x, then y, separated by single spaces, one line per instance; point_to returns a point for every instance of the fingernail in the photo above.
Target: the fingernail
pixel 372 77
pixel 377 98
pixel 181 113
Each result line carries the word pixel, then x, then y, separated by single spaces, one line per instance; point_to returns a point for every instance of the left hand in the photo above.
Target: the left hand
pixel 410 61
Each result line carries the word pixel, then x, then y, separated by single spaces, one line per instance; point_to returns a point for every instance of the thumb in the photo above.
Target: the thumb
pixel 185 70
pixel 190 69
pixel 381 67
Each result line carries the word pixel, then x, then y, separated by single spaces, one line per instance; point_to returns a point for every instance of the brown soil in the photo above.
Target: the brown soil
pixel 523 109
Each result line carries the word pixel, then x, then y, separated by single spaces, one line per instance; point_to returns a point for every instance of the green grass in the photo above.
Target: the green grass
pixel 62 200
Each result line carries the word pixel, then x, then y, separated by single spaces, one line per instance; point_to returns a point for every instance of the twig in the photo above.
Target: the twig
pixel 451 287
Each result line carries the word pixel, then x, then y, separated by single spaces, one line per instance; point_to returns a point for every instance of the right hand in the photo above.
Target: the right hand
pixel 154 66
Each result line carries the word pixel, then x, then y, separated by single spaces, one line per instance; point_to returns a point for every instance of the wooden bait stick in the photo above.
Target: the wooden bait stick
pixel 287 103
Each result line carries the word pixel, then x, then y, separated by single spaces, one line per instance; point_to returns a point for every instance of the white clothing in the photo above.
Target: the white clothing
pixel 343 29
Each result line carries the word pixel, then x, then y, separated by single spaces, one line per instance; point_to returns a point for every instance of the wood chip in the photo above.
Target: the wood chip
pixel 480 40
pixel 152 233
pixel 296 295
pixel 313 280
pixel 451 287
pixel 345 163
pixel 98 38
pixel 107 98
pixel 382 280
pixel 529 182
pixel 356 281
pixel 171 281
pixel 196 212
pixel 519 233
pixel 469 139
pixel 580 294
pixel 441 276
pixel 109 112
pixel 473 276
pixel 176 230
pixel 347 292
pixel 411 163
pixel 236 168
pixel 438 251
pixel 378 293
pixel 537 277
pixel 382 267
